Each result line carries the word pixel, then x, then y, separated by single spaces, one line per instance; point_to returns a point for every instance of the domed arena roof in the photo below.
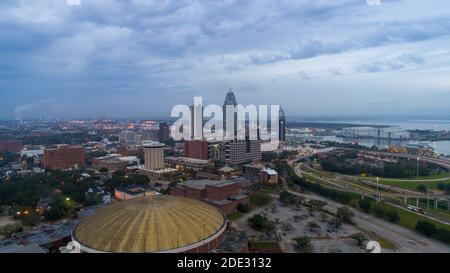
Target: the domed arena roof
pixel 150 224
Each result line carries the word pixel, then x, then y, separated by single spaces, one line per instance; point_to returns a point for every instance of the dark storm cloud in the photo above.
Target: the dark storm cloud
pixel 140 57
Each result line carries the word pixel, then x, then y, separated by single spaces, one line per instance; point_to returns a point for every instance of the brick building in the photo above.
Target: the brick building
pixel 108 162
pixel 130 150
pixel 12 146
pixel 224 194
pixel 197 149
pixel 63 157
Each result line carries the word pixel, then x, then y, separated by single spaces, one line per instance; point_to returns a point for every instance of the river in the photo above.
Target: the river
pixel 440 147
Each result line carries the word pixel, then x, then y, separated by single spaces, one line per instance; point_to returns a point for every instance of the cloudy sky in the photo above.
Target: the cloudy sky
pixel 138 58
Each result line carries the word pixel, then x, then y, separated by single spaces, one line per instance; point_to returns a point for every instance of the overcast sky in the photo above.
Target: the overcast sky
pixel 138 58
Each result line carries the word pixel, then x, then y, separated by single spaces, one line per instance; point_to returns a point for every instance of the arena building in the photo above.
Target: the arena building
pixel 152 224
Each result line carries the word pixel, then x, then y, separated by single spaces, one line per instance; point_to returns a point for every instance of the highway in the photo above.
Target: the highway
pixel 348 186
pixel 408 241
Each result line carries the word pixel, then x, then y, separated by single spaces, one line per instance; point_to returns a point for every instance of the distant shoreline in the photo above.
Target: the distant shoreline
pixel 330 125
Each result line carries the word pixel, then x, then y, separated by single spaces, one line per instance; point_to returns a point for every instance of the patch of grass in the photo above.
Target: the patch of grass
pixel 410 184
pixel 409 219
pixel 430 177
pixel 235 216
pixel 260 199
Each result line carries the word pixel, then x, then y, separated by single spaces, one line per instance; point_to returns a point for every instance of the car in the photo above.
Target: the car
pixel 412 243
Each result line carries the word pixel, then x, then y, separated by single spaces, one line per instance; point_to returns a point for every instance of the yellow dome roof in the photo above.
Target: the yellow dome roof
pixel 149 224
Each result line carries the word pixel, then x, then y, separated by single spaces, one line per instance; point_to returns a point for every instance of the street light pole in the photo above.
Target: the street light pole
pixel 378 192
pixel 418 158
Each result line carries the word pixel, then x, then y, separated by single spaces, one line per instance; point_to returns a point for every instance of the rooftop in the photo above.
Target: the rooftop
pixel 133 189
pixel 201 184
pixel 149 224
pixel 186 160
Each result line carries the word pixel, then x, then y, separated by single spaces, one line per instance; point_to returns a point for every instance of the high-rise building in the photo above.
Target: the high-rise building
pixel 216 151
pixel 63 157
pixel 12 146
pixel 242 151
pixel 282 126
pixel 153 155
pixel 197 149
pixel 230 100
pixel 164 132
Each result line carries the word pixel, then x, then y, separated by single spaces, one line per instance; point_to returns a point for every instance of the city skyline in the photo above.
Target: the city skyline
pixel 316 58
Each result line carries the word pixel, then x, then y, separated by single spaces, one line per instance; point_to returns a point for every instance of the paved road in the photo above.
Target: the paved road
pixel 345 185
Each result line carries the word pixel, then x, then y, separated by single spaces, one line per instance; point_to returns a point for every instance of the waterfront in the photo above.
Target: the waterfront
pixel 440 147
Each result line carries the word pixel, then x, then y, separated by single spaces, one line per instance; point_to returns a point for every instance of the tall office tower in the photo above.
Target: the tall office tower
pixel 230 99
pixel 63 157
pixel 164 133
pixel 153 155
pixel 282 126
pixel 242 151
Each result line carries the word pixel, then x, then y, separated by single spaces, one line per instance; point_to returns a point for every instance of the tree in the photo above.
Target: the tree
pixel 393 216
pixel 104 170
pixel 261 223
pixel 447 188
pixel 441 186
pixel 345 214
pixel 9 229
pixel 31 220
pixel 335 223
pixel 93 198
pixel 426 228
pixel 422 188
pixel 324 217
pixel 313 226
pixel 260 199
pixel 288 198
pixel 317 204
pixel 443 235
pixel 365 204
pixel 379 211
pixel 287 227
pixel 359 238
pixel 302 242
pixel 59 209
pixel 242 208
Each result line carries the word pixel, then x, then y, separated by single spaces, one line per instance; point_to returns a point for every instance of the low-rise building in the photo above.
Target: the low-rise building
pixel 258 173
pixel 114 162
pixel 269 176
pixel 181 163
pixel 132 191
pixel 64 157
pixel 223 194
